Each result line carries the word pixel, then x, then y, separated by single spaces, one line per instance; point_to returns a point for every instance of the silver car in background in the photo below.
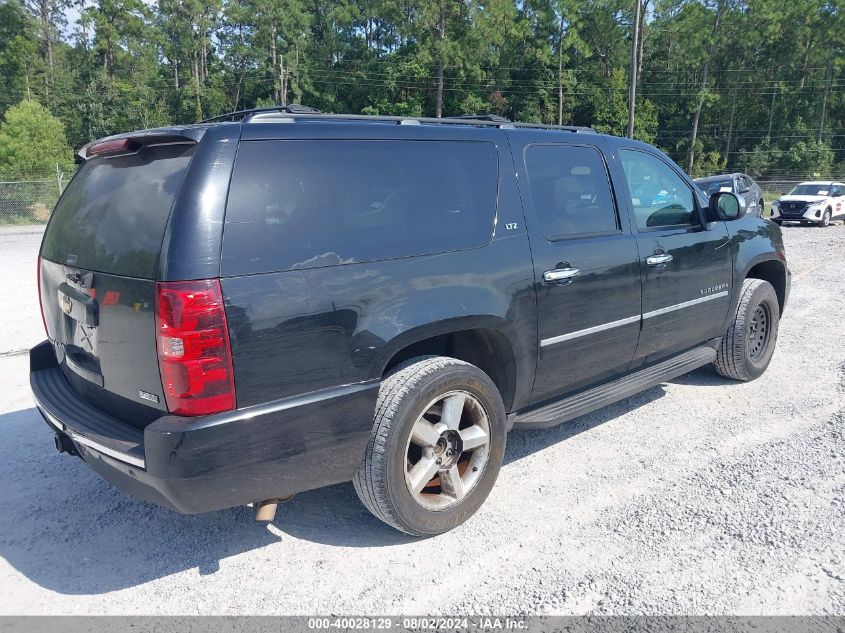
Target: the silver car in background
pixel 740 184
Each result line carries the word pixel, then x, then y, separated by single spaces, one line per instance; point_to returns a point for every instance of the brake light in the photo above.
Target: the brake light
pixel 40 301
pixel 107 147
pixel 194 355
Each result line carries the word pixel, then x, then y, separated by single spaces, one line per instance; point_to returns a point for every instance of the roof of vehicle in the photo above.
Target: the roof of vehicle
pixel 295 112
pixel 719 177
pixel 256 118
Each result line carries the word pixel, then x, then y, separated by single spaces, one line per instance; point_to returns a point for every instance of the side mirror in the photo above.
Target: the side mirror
pixel 727 206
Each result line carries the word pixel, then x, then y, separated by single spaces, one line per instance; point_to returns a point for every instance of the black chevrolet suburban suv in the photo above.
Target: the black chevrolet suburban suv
pixel 279 300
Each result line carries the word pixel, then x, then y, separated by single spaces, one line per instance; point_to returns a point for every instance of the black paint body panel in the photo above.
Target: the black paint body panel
pixel 310 346
pixel 108 362
pixel 301 330
pixel 201 464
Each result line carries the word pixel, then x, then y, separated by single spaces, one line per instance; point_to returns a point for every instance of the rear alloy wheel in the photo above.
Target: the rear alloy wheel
pixel 826 217
pixel 437 446
pixel 747 347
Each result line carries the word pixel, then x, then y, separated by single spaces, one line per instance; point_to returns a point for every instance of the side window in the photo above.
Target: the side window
pixel 659 197
pixel 297 204
pixel 836 191
pixel 570 190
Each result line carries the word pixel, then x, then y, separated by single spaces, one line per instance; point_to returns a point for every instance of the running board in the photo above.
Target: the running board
pixel 603 395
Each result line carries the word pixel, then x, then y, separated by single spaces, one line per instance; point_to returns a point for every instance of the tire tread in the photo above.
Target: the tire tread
pixel 730 357
pixel 370 480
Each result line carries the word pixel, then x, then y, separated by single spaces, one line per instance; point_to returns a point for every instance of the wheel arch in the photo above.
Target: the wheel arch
pixel 484 345
pixel 774 272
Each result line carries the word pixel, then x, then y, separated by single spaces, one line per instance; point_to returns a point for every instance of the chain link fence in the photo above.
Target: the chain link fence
pixel 30 199
pixel 778 187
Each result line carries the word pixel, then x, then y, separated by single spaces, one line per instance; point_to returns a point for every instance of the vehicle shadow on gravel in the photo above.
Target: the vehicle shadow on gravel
pixel 522 443
pixel 705 377
pixel 66 529
pixel 525 442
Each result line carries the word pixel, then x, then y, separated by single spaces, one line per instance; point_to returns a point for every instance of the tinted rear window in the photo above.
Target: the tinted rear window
pixel 303 204
pixel 570 190
pixel 113 215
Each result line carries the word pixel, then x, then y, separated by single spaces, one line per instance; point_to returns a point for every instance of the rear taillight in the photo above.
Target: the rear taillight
pixel 194 355
pixel 40 300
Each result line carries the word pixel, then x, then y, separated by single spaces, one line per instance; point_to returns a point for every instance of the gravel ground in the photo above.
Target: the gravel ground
pixel 19 263
pixel 699 496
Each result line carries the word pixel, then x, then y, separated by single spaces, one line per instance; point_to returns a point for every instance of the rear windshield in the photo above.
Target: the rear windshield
pixel 713 186
pixel 303 204
pixel 113 215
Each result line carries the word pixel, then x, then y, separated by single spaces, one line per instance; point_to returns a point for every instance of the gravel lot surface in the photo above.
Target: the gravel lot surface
pixel 22 325
pixel 698 496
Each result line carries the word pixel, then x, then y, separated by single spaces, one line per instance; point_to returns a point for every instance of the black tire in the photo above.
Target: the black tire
pixel 826 217
pixel 403 397
pixel 762 208
pixel 743 355
pixel 778 222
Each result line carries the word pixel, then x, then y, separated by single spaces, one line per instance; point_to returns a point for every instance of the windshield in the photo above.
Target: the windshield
pixel 811 190
pixel 713 186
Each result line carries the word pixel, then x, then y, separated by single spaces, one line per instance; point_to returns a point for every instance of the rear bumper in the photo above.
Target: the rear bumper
pixel 212 462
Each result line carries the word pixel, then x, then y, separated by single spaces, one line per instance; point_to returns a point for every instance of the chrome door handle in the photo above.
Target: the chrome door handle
pixel 656 260
pixel 561 274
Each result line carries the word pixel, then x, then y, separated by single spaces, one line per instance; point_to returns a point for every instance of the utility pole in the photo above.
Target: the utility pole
pixel 632 88
pixel 824 98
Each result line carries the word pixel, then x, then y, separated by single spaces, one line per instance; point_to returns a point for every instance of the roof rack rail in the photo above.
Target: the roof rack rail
pixel 269 115
pixel 293 111
pixel 482 117
pixel 289 108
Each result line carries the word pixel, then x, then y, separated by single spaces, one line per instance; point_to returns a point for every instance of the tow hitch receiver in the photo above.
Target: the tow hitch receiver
pixel 64 444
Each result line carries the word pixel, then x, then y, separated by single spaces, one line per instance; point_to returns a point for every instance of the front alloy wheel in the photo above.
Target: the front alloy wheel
pixel 826 218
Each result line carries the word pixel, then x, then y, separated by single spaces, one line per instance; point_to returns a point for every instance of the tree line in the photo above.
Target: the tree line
pixel 752 85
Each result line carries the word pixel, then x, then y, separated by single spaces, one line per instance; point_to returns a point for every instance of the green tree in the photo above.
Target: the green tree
pixel 32 139
pixel 20 66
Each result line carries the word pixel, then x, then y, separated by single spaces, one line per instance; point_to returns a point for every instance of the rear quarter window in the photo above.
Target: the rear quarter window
pixel 296 204
pixel 113 214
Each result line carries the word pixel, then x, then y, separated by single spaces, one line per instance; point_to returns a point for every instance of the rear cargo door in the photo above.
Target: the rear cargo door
pixel 97 277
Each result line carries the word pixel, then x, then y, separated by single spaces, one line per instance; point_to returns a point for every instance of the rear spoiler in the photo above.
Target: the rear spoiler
pixel 130 143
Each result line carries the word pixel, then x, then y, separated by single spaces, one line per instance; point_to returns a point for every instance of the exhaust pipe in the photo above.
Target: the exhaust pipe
pixel 265 511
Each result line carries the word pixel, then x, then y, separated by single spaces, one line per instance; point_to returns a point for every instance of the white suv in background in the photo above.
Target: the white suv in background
pixel 816 202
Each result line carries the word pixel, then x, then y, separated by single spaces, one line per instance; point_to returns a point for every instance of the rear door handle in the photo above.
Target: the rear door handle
pixel 656 260
pixel 560 274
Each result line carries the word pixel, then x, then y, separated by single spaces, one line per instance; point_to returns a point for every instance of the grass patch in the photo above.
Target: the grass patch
pixel 18 219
